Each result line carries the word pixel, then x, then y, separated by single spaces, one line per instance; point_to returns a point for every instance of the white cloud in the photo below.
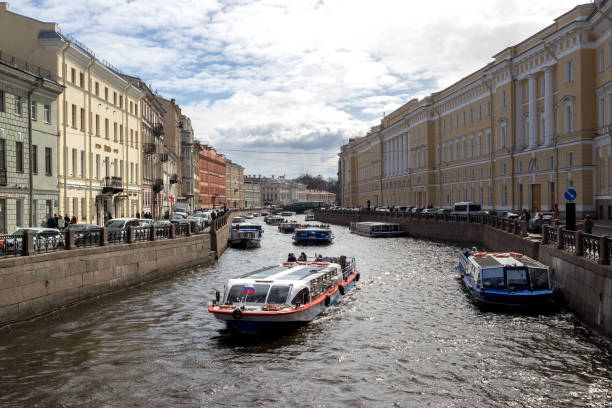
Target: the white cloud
pixel 295 75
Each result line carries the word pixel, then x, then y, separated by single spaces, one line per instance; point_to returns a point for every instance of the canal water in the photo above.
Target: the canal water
pixel 406 336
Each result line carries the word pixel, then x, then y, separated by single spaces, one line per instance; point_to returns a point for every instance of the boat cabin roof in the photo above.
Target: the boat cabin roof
pixel 247 225
pixel 313 229
pixel 286 274
pixel 372 223
pixel 501 260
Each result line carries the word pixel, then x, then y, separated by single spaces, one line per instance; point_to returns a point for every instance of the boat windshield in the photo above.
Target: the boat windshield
pixel 278 294
pixel 237 295
pixel 539 278
pixel 493 278
pixel 516 277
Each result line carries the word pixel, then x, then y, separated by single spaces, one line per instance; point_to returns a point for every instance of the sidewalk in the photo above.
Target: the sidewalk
pixel 602 227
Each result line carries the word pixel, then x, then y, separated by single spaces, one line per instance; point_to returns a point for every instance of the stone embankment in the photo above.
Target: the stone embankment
pixel 580 262
pixel 37 278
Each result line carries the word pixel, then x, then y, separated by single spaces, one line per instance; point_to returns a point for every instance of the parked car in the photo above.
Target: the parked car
pixel 508 214
pixel 122 223
pixel 205 215
pixel 80 232
pixel 539 219
pixel 145 222
pixel 44 238
pixel 466 207
pixel 429 211
pixel 177 218
pixel 200 222
pixel 416 210
pixel 161 223
pixel 382 210
pixel 443 211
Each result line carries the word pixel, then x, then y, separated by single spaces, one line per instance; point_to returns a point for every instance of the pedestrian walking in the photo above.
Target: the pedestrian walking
pixel 61 223
pixel 73 220
pixel 138 215
pixel 588 224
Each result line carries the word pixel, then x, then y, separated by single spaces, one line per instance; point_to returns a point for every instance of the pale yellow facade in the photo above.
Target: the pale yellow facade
pixel 515 134
pixel 98 116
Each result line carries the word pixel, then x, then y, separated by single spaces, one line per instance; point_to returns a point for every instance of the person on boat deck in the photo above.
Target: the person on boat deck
pixel 291 258
pixel 343 261
pixel 319 258
pixel 303 257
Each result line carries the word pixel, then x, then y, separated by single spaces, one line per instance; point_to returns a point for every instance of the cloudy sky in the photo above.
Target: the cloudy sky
pixel 279 86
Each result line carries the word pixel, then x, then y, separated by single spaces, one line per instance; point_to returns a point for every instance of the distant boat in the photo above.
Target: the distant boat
pixel 245 235
pixel 505 279
pixel 313 236
pixel 377 229
pixel 310 217
pixel 284 296
pixel 273 219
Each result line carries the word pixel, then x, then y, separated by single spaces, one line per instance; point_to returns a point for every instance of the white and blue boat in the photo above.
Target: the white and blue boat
pixel 505 279
pixel 313 236
pixel 245 235
pixel 284 296
pixel 377 229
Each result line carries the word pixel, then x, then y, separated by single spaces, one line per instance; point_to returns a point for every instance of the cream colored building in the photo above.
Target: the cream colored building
pixel 98 118
pixel 234 185
pixel 515 134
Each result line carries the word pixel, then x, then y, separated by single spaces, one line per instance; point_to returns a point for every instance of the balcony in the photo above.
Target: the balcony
pixel 112 185
pixel 173 179
pixel 149 148
pixel 3 177
pixel 158 185
pixel 163 157
pixel 157 130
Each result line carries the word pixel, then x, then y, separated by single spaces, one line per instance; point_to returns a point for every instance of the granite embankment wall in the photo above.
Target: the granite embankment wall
pixel 584 282
pixel 34 285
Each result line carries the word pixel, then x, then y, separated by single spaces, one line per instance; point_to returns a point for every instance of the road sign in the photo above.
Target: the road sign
pixel 570 194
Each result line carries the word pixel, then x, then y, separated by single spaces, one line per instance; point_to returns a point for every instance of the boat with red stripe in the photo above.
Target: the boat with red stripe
pixel 285 295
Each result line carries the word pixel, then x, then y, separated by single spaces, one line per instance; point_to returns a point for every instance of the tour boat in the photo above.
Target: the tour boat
pixel 248 216
pixel 245 235
pixel 288 227
pixel 273 220
pixel 310 217
pixel 505 279
pixel 377 229
pixel 284 296
pixel 287 213
pixel 313 235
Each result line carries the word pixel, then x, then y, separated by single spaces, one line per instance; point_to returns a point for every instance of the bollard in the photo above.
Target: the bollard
pixel 544 234
pixel 188 232
pixel 130 235
pixel 578 251
pixel 172 234
pixel 194 227
pixel 153 236
pixel 559 239
pixel 523 228
pixel 604 258
pixel 103 237
pixel 69 238
pixel 27 245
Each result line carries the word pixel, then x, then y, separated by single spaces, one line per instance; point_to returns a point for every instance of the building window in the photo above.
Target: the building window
pixel 48 161
pixel 570 159
pixel 504 98
pixel 115 98
pixel 35 159
pixel 503 169
pixel 19 156
pixel 479 112
pixel 121 169
pixel 503 136
pixel 47 113
pixel 463 118
pixel 132 173
pixel 83 164
pixel 3 154
pixel 542 127
pixel 74 116
pixel 505 195
pixel 73 75
pixel 480 145
pixel 569 118
pixel 471 115
pixel 131 107
pixel 602 111
pixel 121 134
pixel 19 213
pixel 33 110
pixel 81 80
pixel 115 166
pixel 83 208
pixel 115 138
pixel 106 93
pixel 520 166
pixel 82 119
pixel 2 101
pixel 569 72
pixel 18 106
pixel 97 87
pixel 488 108
pixel 106 126
pixel 121 101
pixel 551 162
pixel 74 162
pixel 97 166
pixel 601 61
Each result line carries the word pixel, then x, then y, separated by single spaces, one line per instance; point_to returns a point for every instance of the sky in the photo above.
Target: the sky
pixel 279 86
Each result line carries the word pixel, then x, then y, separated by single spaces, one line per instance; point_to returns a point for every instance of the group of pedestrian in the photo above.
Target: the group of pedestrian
pixel 146 215
pixel 58 222
pixel 303 257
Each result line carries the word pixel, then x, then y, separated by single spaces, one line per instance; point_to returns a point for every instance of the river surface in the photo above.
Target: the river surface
pixel 406 336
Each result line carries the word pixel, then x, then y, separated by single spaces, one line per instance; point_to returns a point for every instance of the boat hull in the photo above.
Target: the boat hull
pixel 258 322
pixel 245 243
pixel 380 234
pixel 312 241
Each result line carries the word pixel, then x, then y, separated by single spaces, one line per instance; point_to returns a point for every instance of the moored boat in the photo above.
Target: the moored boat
pixel 288 227
pixel 313 236
pixel 310 217
pixel 287 213
pixel 284 296
pixel 505 279
pixel 245 235
pixel 274 220
pixel 377 229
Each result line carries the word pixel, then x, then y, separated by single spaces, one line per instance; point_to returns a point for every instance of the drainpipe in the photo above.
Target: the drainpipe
pixel 65 115
pixel 90 218
pixel 31 198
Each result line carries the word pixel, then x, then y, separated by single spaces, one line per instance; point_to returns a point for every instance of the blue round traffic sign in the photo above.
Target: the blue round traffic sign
pixel 570 194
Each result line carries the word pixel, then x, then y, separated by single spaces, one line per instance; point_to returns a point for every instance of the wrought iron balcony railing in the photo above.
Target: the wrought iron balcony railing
pixel 157 130
pixel 173 179
pixel 112 185
pixel 149 148
pixel 163 157
pixel 158 185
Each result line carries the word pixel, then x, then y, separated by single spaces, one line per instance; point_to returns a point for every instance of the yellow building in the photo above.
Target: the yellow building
pixel 98 116
pixel 515 134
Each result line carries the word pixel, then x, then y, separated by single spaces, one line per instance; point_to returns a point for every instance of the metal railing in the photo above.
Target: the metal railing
pixel 48 242
pixel 181 229
pixel 163 232
pixel 142 234
pixel 11 245
pixel 116 236
pixel 88 238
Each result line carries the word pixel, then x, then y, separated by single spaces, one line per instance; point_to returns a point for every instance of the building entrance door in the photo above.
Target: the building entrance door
pixel 536 198
pixel 420 204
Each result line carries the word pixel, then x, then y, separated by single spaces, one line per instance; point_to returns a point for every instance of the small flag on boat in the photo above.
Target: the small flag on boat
pixel 249 290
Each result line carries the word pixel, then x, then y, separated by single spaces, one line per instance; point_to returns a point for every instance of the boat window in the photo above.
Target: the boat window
pixel 302 297
pixel 278 294
pixel 493 278
pixel 516 277
pixel 236 294
pixel 474 207
pixel 539 278
pixel 261 291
